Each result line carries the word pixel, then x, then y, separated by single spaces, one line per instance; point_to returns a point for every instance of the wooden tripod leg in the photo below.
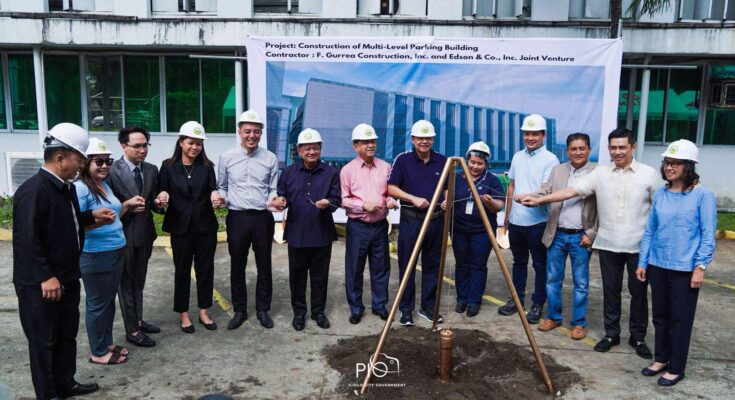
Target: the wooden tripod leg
pixel 407 274
pixel 445 235
pixel 508 280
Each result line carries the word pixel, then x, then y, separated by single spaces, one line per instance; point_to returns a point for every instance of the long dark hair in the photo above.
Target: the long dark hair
pixel 201 158
pixel 689 176
pixel 91 183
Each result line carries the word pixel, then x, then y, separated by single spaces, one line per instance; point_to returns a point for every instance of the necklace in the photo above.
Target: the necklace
pixel 188 171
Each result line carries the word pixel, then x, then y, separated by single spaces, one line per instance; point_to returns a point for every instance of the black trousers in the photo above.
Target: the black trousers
pixel 132 283
pixel 246 228
pixel 312 263
pixel 51 329
pixel 673 305
pixel 193 246
pixel 612 267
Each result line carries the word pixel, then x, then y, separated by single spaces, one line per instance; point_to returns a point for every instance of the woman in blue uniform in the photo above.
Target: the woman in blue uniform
pixel 470 242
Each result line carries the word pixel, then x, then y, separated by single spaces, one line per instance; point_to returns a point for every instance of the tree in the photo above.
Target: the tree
pixel 636 9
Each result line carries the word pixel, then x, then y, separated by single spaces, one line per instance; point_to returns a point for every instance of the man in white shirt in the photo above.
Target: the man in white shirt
pixel 624 191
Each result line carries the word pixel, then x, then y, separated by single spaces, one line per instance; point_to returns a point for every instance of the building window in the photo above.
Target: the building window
pixel 218 95
pixel 3 118
pixel 720 114
pixel 182 91
pixel 103 76
pixel 451 135
pixel 22 91
pixel 477 8
pixel 399 125
pixel 63 93
pixel 142 92
pixel 56 5
pixel 673 104
pixel 276 6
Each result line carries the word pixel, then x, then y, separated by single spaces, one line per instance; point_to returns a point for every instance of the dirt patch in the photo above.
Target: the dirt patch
pixel 482 367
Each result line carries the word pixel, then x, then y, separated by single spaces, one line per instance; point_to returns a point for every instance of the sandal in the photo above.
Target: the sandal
pixel 119 350
pixel 114 360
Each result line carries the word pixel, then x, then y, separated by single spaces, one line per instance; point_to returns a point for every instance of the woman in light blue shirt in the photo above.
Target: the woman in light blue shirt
pixel 102 258
pixel 676 249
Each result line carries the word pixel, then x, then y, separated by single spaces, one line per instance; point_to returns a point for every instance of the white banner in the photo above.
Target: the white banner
pixel 470 89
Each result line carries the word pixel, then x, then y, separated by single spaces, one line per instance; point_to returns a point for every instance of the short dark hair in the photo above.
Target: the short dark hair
pixel 579 136
pixel 620 133
pixel 50 153
pixel 124 135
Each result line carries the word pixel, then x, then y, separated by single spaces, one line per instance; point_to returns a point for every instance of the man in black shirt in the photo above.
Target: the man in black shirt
pixel 48 235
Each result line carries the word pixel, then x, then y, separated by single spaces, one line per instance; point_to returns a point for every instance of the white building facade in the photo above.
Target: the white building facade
pixel 104 64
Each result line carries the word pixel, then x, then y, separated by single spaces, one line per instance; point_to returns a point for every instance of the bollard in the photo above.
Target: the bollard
pixel 446 339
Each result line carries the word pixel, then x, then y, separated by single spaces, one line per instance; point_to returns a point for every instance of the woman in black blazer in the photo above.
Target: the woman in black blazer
pixel 188 188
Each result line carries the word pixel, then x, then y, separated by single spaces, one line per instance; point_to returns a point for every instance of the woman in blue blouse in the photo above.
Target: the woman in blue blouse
pixel 102 258
pixel 676 249
pixel 470 242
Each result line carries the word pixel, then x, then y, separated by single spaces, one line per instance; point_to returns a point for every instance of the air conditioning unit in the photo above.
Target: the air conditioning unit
pixel 722 93
pixel 20 167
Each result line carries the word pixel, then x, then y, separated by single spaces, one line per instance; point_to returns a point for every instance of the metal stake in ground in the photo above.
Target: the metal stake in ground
pixel 449 166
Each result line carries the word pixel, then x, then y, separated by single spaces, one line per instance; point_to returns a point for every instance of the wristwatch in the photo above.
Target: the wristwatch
pixel 703 267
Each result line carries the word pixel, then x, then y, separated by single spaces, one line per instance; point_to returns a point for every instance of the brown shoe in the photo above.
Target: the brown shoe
pixel 548 325
pixel 579 332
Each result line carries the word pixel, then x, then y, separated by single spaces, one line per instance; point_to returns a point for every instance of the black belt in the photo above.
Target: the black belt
pixel 249 212
pixel 378 223
pixel 570 231
pixel 421 214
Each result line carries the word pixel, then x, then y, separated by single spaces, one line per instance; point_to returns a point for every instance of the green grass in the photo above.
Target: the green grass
pixel 220 213
pixel 726 221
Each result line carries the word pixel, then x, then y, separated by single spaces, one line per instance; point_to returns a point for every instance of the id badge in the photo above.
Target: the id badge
pixel 469 207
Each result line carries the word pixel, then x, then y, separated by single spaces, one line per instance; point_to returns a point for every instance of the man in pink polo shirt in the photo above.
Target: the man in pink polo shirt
pixel 364 183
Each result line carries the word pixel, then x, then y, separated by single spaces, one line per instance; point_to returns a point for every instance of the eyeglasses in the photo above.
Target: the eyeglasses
pixel 255 131
pixel 142 146
pixel 103 161
pixel 672 163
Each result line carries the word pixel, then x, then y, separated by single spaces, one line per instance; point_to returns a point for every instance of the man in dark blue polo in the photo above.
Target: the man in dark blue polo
pixel 413 179
pixel 310 190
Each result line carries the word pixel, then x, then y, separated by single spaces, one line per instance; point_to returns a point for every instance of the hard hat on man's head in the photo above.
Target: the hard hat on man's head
pixel 534 123
pixel 307 136
pixel 250 116
pixel 423 128
pixel 193 129
pixel 479 147
pixel 682 149
pixel 97 147
pixel 69 136
pixel 363 132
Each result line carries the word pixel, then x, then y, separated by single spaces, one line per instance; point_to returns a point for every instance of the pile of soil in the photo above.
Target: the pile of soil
pixel 482 367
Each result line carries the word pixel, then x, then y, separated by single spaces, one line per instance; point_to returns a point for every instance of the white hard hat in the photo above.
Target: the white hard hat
pixel 69 136
pixel 682 149
pixel 309 135
pixel 534 122
pixel 193 129
pixel 363 132
pixel 423 128
pixel 97 147
pixel 480 147
pixel 250 116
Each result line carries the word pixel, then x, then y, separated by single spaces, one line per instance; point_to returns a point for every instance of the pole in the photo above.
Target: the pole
pixel 443 260
pixel 407 274
pixel 643 111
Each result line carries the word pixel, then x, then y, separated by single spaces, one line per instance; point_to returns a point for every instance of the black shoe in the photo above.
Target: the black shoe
pixel 534 314
pixel 237 320
pixel 79 389
pixel 604 345
pixel 428 315
pixel 265 319
pixel 299 322
pixel 641 348
pixel 653 372
pixel 321 320
pixel 147 327
pixel 508 308
pixel 670 382
pixel 406 319
pixel 212 326
pixel 140 340
pixel 472 311
pixel 460 308
pixel 188 329
pixel 355 318
pixel 383 314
